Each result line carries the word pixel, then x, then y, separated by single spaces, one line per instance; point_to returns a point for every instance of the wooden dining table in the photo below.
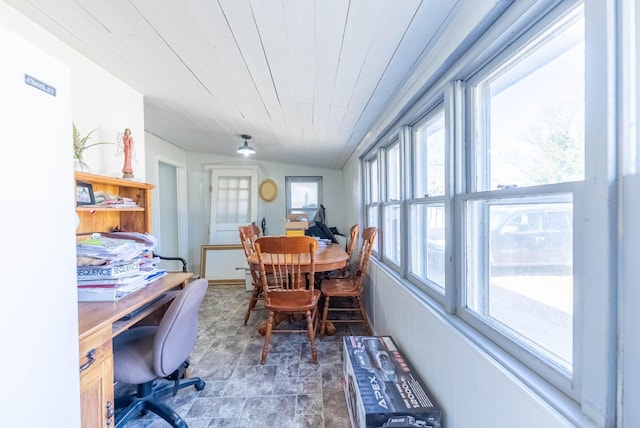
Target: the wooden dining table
pixel 327 258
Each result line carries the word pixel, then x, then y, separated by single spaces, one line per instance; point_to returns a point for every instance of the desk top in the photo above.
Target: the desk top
pixel 93 316
pixel 327 258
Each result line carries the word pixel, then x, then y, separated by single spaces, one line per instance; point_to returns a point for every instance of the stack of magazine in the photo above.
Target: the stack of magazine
pixel 110 268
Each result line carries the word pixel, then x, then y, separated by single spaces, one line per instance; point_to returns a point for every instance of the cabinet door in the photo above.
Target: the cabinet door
pixel 96 395
pixel 96 380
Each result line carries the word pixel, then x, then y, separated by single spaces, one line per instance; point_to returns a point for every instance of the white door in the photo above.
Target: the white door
pixel 234 202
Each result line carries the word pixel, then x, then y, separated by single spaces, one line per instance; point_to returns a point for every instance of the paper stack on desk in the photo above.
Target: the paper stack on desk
pixel 323 242
pixel 111 268
pixel 111 249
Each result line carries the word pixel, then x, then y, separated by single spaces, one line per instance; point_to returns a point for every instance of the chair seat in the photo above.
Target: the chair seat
pixel 288 301
pixel 133 356
pixel 338 287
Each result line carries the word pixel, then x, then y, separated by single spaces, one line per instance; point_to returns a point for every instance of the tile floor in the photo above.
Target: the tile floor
pixel 288 391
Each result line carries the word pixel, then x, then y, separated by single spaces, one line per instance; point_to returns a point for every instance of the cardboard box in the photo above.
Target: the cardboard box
pixel 296 222
pixel 382 389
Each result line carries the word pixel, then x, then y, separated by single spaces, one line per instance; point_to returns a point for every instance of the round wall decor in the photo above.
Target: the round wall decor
pixel 268 190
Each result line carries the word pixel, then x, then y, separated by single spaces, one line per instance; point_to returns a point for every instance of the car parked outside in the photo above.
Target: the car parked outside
pixel 534 235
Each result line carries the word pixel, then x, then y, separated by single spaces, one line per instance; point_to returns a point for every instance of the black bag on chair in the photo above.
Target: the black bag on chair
pixel 319 228
pixel 321 231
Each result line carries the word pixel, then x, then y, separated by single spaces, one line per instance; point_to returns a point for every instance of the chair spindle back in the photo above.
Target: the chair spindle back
pixel 248 236
pixel 288 260
pixel 368 238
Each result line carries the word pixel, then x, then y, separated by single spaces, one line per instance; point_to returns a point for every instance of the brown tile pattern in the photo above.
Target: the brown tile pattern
pixel 288 391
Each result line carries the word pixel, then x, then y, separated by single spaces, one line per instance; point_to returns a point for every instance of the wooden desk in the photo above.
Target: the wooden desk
pixel 328 258
pixel 98 323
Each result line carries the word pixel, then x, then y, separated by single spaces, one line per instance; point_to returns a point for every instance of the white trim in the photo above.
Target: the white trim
pixel 628 387
pixel 254 167
pixel 183 207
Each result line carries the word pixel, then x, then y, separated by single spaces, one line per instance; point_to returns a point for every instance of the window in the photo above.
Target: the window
pixel 426 208
pixel 530 113
pixel 477 189
pixel 391 231
pixel 232 203
pixel 303 195
pixel 527 151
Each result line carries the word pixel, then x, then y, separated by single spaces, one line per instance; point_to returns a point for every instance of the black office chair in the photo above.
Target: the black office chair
pixel 142 355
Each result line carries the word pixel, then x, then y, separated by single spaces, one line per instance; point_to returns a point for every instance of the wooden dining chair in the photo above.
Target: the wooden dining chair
pixel 289 260
pixel 248 236
pixel 351 245
pixel 350 288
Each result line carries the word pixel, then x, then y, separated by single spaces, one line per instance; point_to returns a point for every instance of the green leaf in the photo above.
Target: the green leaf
pixel 80 143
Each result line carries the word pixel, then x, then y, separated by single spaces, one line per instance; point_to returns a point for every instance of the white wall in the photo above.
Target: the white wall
pixel 274 212
pixel 98 99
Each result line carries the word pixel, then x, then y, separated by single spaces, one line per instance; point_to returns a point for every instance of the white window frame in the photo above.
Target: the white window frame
pixel 437 291
pixel 629 274
pixel 388 202
pixel 372 198
pixel 479 190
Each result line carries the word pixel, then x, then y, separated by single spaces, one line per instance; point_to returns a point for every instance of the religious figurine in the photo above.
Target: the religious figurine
pixel 125 146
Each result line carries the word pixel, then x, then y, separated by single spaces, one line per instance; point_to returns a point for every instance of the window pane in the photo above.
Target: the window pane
pixel 428 152
pixel 528 290
pixel 391 232
pixel 372 216
pixel 536 112
pixel 373 181
pixel 393 172
pixel 304 195
pixel 427 243
pixel 234 194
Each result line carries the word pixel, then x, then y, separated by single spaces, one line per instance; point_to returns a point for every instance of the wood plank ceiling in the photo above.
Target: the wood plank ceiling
pixel 307 79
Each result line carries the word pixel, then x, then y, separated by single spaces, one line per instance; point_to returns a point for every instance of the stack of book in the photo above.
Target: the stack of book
pixel 111 268
pixel 104 199
pixel 120 202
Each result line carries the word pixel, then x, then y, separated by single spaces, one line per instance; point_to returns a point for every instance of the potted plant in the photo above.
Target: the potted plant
pixel 79 146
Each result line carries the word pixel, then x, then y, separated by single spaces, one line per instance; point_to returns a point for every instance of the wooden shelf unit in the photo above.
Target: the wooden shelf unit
pixel 96 354
pixel 131 219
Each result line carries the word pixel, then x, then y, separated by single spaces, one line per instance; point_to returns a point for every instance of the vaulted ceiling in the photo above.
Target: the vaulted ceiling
pixel 306 78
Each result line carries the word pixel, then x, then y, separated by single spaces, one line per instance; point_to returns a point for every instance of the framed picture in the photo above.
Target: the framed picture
pixel 84 193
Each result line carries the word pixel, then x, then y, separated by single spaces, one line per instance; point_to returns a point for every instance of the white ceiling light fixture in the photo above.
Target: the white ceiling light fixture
pixel 245 149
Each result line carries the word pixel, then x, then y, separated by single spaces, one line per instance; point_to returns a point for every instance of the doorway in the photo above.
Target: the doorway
pixel 171 225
